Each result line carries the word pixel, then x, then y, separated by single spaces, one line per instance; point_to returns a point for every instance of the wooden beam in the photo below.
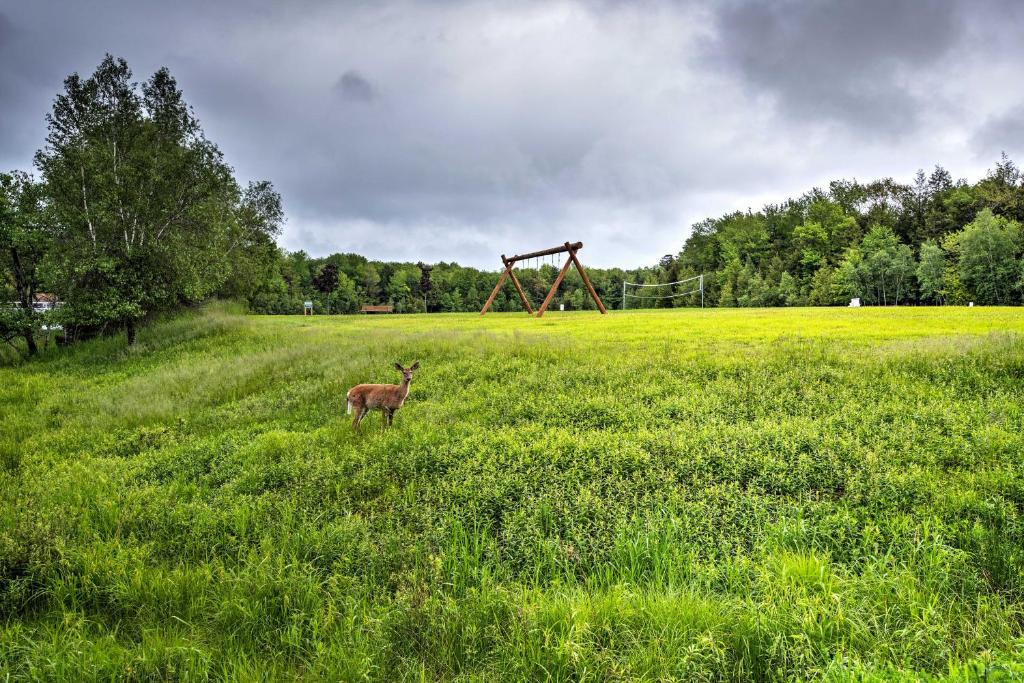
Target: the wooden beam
pixel 586 280
pixel 572 260
pixel 544 252
pixel 554 287
pixel 497 288
pixel 519 287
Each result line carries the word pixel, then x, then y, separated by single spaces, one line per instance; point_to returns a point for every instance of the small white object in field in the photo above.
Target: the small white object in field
pixel 855 303
pixel 970 305
pixel 561 307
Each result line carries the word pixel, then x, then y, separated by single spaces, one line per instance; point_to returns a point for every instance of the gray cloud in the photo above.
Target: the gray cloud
pixel 353 87
pixel 846 62
pixel 458 130
pixel 1002 133
pixel 6 29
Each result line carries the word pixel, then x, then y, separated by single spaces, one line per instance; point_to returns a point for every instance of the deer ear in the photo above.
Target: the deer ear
pixel 398 366
pixel 415 366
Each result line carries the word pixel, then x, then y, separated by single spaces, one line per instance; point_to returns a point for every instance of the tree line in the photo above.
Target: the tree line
pixel 343 283
pixel 135 212
pixel 934 241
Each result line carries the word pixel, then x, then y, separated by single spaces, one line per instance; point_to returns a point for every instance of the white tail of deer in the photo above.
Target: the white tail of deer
pixel 387 398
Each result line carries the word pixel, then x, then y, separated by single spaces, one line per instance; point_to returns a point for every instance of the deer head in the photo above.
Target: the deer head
pixel 407 372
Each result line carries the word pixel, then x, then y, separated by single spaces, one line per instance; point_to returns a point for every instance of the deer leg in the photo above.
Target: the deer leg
pixel 359 414
pixel 391 417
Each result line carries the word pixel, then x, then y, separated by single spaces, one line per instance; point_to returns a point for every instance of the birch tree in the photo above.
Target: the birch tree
pixel 146 205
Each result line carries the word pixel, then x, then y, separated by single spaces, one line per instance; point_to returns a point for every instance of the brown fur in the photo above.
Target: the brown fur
pixel 387 398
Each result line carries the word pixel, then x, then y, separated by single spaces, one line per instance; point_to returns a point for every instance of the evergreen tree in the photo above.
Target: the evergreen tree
pixel 326 282
pixel 426 286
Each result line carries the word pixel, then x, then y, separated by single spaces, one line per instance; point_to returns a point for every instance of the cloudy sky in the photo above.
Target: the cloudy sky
pixel 457 130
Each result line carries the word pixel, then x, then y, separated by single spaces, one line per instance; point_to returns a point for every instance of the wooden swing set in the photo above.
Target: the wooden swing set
pixel 510 262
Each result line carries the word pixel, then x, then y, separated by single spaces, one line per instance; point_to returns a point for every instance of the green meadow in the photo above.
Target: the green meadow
pixel 739 495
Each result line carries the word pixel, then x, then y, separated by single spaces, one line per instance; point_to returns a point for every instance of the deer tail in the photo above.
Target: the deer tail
pixel 349 409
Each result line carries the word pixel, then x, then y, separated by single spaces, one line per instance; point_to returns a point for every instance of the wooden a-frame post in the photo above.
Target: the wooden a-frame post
pixel 509 271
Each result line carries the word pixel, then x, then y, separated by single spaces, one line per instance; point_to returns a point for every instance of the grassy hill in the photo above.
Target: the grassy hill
pixel 700 495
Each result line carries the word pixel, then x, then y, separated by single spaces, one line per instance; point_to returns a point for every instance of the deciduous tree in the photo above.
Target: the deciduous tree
pixel 987 264
pixel 143 201
pixel 931 270
pixel 25 239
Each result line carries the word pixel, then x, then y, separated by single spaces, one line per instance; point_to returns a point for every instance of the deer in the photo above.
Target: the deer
pixel 387 398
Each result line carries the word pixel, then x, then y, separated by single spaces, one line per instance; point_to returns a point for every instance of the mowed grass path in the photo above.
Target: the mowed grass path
pixel 690 495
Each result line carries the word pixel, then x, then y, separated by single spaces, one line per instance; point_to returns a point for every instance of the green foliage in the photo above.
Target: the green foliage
pixel 1000 191
pixel 952 288
pixel 400 289
pixel 930 272
pixel 16 323
pixel 849 277
pixel 448 287
pixel 743 236
pixel 987 249
pixel 826 232
pixel 879 271
pixel 890 265
pixel 147 214
pixel 344 298
pixel 26 234
pixel 728 495
pixel 252 255
pixel 866 235
pixel 823 291
pixel 788 293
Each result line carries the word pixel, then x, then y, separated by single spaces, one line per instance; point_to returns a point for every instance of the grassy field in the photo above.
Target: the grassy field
pixel 692 495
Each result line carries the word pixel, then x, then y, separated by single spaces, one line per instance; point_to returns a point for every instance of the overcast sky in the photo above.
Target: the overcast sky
pixel 449 130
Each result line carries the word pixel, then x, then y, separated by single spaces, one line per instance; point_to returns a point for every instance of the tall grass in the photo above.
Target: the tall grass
pixel 674 495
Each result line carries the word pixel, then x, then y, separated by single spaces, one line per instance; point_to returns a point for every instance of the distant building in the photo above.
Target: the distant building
pixel 41 303
pixel 44 302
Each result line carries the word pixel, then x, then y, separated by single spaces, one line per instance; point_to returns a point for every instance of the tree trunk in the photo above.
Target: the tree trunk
pixel 130 331
pixel 26 298
pixel 30 342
